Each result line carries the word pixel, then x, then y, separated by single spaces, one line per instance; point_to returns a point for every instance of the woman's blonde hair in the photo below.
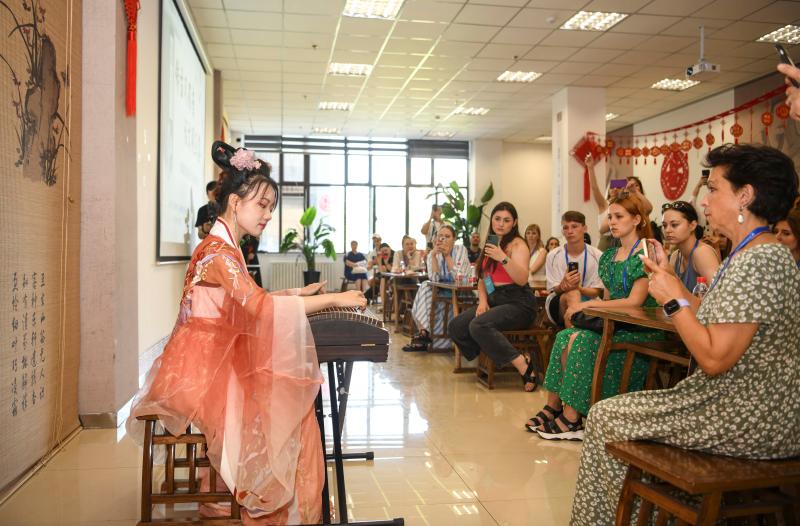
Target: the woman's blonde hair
pixel 534 227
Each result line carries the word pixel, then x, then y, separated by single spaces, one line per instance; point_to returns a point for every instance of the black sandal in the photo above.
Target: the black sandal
pixel 543 417
pixel 551 431
pixel 416 346
pixel 528 378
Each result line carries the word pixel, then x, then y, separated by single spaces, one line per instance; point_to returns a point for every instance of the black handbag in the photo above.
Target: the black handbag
pixel 582 320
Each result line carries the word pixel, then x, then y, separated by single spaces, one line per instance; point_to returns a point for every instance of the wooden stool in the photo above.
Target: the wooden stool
pixel 535 342
pixel 753 484
pixel 179 491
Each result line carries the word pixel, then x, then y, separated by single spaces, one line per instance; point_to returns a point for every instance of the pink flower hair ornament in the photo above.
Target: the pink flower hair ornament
pixel 244 160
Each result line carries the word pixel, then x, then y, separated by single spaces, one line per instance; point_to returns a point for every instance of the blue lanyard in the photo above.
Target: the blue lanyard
pixel 753 234
pixel 443 270
pixel 625 266
pixel 566 260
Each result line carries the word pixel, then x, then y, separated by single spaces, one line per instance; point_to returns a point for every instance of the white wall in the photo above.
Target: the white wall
pixel 650 173
pixel 160 285
pixel 521 174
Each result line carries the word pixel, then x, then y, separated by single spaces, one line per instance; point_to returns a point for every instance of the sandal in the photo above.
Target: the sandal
pixel 551 431
pixel 416 346
pixel 528 377
pixel 542 417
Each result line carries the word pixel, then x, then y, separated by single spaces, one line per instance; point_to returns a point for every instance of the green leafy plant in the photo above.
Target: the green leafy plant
pixel 310 241
pixel 464 217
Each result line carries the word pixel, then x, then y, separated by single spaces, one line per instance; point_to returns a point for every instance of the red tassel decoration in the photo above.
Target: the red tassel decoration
pixel 131 11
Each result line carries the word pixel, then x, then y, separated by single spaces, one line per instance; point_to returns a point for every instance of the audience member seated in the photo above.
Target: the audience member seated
pixel 552 244
pixel 505 302
pixel 372 256
pixel 409 259
pixel 355 266
pixel 691 259
pixel 566 287
pixel 742 399
pixel 717 241
pixel 569 375
pixel 788 233
pixel 474 248
pixel 383 265
pixel 533 236
pixel 445 262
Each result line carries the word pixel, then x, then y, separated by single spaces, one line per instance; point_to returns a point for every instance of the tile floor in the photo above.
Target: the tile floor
pixel 448 452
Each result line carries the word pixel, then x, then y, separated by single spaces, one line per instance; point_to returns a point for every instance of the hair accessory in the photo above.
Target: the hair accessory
pixel 244 160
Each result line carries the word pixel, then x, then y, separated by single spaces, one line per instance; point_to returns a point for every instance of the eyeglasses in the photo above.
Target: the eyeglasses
pixel 680 206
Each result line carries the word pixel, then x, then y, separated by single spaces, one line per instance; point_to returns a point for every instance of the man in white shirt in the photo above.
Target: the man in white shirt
pixel 570 287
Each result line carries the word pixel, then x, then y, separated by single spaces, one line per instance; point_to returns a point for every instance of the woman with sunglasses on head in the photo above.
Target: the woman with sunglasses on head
pixel 788 233
pixel 241 363
pixel 445 262
pixel 692 258
pixel 744 336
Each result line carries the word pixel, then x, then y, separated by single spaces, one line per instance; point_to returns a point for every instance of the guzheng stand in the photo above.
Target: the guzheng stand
pixel 344 335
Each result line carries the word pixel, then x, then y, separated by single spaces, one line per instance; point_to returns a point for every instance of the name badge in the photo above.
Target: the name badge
pixel 489 284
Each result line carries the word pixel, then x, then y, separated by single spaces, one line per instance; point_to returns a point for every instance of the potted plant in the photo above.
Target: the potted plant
pixel 309 242
pixel 453 210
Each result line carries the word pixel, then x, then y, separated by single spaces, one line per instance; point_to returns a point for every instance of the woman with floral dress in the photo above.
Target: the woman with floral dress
pixel 742 399
pixel 569 375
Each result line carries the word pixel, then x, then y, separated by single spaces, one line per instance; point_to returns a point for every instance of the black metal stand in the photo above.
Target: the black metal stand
pixel 339 374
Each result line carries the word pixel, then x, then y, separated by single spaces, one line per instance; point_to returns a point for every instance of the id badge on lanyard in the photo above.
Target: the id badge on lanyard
pixel 489 284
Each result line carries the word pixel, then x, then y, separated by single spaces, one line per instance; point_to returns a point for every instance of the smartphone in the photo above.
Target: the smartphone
pixel 572 266
pixel 704 176
pixel 786 59
pixel 492 239
pixel 618 183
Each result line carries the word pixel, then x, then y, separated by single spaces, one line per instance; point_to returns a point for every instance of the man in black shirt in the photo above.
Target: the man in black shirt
pixel 207 213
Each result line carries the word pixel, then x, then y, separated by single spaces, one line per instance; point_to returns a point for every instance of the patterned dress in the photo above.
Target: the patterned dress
pixel 574 383
pixel 750 411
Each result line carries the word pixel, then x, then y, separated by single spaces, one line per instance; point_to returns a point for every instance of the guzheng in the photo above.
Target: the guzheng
pixel 348 334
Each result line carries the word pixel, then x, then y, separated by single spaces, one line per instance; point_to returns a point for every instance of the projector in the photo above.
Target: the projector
pixel 701 70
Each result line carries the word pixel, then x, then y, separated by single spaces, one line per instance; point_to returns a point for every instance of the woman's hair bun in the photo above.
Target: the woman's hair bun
pixel 222 152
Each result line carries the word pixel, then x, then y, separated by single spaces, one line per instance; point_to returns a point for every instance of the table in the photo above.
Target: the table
pixel 651 317
pixel 454 289
pixel 390 278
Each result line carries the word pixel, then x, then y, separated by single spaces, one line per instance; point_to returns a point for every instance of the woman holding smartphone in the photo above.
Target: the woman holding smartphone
pixel 505 302
pixel 569 374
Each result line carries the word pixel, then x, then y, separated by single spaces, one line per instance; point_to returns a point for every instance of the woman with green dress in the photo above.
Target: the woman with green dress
pixel 744 336
pixel 569 374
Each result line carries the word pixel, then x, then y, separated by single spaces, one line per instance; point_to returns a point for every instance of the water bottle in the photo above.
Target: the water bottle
pixel 701 288
pixel 402 267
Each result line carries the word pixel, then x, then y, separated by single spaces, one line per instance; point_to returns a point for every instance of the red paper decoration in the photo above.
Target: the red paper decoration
pixel 610 143
pixel 655 151
pixel 698 142
pixel 674 174
pixel 766 120
pixel 710 139
pixel 782 111
pixel 587 145
pixel 736 131
pixel 131 12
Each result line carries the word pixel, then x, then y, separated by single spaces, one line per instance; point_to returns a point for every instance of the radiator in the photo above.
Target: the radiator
pixel 288 275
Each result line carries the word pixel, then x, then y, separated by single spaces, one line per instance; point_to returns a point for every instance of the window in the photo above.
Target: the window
pixel 359 185
pixel 358 169
pixel 293 167
pixel 390 214
pixel 329 201
pixel 388 170
pixel 326 169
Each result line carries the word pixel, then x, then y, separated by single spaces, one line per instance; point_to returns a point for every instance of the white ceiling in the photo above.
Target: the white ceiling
pixel 440 54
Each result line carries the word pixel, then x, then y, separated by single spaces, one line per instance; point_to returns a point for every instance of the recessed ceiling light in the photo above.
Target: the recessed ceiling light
pixel 353 70
pixel 461 110
pixel 674 84
pixel 786 35
pixel 543 138
pixel 335 106
pixel 440 133
pixel 611 116
pixel 593 21
pixel 518 76
pixel 325 131
pixel 385 9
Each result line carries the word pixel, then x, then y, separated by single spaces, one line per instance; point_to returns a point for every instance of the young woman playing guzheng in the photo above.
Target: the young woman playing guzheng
pixel 241 363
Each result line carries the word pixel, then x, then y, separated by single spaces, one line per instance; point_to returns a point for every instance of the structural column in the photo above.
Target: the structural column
pixel 108 374
pixel 575 112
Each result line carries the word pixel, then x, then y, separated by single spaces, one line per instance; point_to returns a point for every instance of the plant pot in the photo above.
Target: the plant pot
pixel 311 276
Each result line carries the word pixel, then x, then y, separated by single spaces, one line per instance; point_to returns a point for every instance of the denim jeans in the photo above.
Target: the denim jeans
pixel 512 308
